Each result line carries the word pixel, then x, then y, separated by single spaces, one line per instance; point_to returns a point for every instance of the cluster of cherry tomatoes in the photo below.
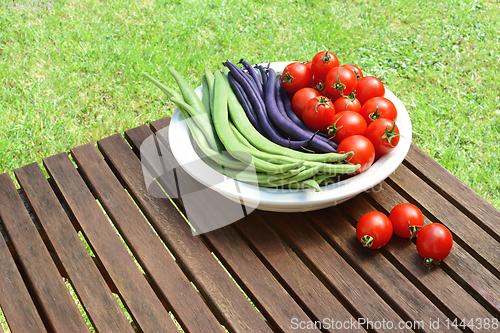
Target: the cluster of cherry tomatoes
pixel 342 102
pixel 434 241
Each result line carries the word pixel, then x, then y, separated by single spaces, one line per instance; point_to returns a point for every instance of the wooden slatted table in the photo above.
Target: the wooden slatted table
pixel 89 248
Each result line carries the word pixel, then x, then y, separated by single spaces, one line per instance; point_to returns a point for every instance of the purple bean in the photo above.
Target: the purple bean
pixel 245 103
pixel 263 75
pixel 254 76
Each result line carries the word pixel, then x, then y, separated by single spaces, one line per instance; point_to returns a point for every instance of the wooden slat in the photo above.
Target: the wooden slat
pixel 186 304
pixel 18 307
pixel 347 283
pixel 140 300
pixel 399 291
pixel 435 283
pixel 459 263
pixel 223 295
pixel 461 195
pixel 307 289
pixel 460 225
pixel 98 301
pixel 60 311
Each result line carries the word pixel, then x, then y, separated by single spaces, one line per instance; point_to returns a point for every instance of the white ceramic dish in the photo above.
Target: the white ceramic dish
pixel 287 200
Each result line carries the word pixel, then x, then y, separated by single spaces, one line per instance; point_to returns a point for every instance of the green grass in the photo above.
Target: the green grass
pixel 73 76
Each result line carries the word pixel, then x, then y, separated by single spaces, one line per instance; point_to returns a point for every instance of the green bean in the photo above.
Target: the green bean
pixel 191 98
pixel 205 96
pixel 308 183
pixel 336 168
pixel 329 168
pixel 209 76
pixel 167 90
pixel 218 157
pixel 326 180
pixel 203 121
pixel 240 137
pixel 232 145
pixel 257 178
pixel 306 174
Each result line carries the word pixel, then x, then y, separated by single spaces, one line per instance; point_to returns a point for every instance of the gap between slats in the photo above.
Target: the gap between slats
pixel 91 253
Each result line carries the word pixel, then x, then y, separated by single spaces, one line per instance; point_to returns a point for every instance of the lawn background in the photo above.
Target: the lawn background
pixel 72 76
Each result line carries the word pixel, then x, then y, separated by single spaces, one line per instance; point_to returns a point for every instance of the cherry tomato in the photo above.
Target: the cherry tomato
pixel 323 62
pixel 318 113
pixel 434 243
pixel 378 107
pixel 364 152
pixel 347 103
pixel 340 81
pixel 355 69
pixel 308 64
pixel 407 220
pixel 300 99
pixel 345 124
pixel 384 134
pixel 369 87
pixel 295 76
pixel 374 230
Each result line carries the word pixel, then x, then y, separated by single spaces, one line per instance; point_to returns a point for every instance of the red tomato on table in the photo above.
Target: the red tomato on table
pixel 407 220
pixel 374 230
pixel 434 243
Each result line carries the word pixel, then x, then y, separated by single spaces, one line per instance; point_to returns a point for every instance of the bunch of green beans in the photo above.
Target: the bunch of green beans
pixel 227 141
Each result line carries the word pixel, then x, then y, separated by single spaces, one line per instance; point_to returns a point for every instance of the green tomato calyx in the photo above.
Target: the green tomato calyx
pixel 375 115
pixel 339 86
pixel 332 129
pixel 429 262
pixel 326 57
pixel 414 229
pixel 287 77
pixel 389 133
pixel 367 240
pixel 322 100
